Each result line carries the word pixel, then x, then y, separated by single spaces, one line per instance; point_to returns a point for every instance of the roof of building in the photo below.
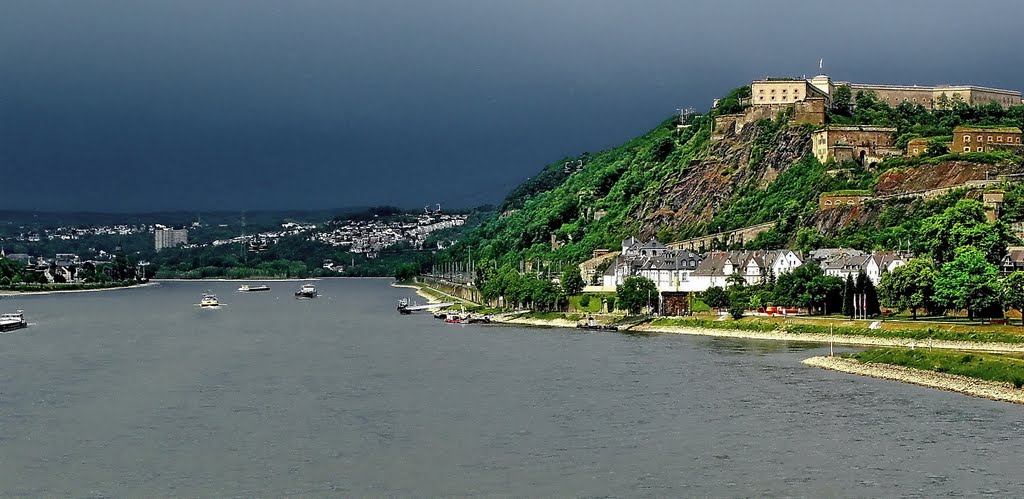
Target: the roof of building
pixel 825 253
pixel 857 128
pixel 1015 254
pixel 997 129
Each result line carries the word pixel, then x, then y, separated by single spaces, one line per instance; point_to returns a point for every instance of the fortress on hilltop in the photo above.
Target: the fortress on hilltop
pixel 808 100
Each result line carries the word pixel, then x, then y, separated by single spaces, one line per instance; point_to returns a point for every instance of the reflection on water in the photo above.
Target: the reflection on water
pixel 138 392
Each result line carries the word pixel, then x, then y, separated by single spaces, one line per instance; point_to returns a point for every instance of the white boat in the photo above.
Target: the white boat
pixel 306 291
pixel 209 301
pixel 245 288
pixel 12 321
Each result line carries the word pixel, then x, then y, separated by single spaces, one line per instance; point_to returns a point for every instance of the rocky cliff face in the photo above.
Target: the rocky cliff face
pixel 752 159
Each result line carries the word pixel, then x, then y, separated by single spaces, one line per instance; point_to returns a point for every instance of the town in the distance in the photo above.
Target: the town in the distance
pixel 67 251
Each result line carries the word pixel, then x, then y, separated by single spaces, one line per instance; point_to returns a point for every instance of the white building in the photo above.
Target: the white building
pixel 169 238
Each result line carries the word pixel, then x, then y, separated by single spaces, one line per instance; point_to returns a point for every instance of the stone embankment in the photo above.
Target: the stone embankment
pixel 949 382
pixel 976 346
pixel 524 321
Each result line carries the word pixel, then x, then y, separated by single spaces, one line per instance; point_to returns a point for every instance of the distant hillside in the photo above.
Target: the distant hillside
pixel 675 182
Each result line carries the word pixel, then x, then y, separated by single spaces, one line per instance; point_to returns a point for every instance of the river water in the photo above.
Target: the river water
pixel 139 392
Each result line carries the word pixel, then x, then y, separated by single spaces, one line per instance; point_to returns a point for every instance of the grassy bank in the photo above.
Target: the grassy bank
pixel 897 330
pixel 988 367
pixel 61 287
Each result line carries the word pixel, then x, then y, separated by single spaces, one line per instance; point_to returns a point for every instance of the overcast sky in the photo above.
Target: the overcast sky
pixel 186 104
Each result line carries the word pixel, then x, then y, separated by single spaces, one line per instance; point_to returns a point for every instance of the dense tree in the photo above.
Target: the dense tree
pixel 848 292
pixel 910 286
pixel 937 147
pixel 572 282
pixel 842 97
pixel 716 297
pixel 637 292
pixel 406 271
pixel 1011 291
pixel 964 224
pixel 967 282
pixel 10 270
pixel 808 286
pixel 738 301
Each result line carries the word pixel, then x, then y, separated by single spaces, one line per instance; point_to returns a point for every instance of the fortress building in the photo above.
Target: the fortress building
pixel 807 101
pixel 863 144
pixel 984 139
pixel 771 91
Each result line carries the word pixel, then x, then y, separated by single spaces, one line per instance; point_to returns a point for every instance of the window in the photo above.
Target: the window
pixel 967 149
pixel 915 150
pixel 979 138
pixel 999 138
pixel 828 203
pixel 990 138
pixel 849 202
pixel 979 148
pixel 967 138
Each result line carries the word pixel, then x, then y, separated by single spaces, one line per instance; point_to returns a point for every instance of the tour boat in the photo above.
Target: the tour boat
pixel 247 288
pixel 12 321
pixel 209 301
pixel 306 291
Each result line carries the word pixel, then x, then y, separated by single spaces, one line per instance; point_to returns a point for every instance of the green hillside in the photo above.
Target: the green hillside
pixel 675 182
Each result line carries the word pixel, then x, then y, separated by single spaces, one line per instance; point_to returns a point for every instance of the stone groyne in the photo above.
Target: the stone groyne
pixel 950 382
pixel 875 341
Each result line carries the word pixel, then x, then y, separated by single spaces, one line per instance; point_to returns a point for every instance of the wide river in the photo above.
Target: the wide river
pixel 140 392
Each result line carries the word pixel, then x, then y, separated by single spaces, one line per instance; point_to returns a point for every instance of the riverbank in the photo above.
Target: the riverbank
pixel 839 339
pixel 518 320
pixel 434 295
pixel 942 381
pixel 419 292
pixel 64 291
pixel 224 279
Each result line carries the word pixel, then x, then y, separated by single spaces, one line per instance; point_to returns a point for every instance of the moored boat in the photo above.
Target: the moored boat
pixel 12 321
pixel 307 291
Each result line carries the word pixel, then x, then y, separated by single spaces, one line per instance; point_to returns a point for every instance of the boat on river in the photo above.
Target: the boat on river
pixel 306 292
pixel 209 300
pixel 245 288
pixel 12 321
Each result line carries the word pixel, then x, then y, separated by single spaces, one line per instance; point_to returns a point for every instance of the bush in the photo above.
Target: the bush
pixel 611 303
pixel 585 301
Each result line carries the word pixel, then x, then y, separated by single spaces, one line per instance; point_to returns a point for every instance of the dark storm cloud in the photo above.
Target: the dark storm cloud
pixel 144 105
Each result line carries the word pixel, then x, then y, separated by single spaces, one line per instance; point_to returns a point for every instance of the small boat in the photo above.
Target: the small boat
pixel 248 289
pixel 403 306
pixel 209 301
pixel 12 321
pixel 593 325
pixel 307 291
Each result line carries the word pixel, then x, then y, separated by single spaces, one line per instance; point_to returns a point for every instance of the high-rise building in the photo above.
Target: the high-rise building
pixel 169 238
